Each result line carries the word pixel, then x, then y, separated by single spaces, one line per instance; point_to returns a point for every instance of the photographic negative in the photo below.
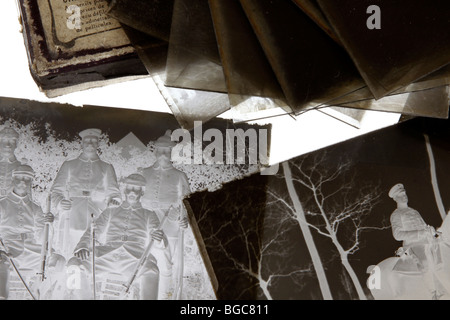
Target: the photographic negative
pixel 363 219
pixel 91 201
pixel 404 26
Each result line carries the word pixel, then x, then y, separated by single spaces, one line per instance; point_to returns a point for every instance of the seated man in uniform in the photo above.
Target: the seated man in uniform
pixel 127 230
pixel 21 227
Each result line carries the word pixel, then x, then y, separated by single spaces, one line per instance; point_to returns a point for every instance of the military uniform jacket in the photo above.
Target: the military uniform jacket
pixel 125 226
pixel 84 180
pixel 20 218
pixel 417 252
pixel 165 187
pixel 6 168
pixel 408 226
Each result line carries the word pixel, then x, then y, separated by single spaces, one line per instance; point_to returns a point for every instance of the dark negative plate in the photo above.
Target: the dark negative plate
pixel 193 61
pixel 315 227
pixel 153 17
pixel 310 67
pixel 247 71
pixel 413 40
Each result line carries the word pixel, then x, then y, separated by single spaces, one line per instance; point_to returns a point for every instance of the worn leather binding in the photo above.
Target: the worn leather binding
pixel 64 60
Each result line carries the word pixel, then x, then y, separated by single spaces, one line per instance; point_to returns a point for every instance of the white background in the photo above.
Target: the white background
pixel 308 132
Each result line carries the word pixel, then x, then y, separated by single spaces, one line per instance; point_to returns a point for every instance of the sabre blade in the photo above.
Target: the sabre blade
pixel 142 260
pixel 93 256
pixel 45 241
pixel 180 270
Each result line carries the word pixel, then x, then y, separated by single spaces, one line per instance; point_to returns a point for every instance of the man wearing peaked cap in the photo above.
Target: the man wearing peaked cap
pixel 407 224
pixel 23 170
pixel 90 133
pixel 409 227
pixel 165 141
pixel 166 187
pixel 135 179
pixel 21 226
pixel 83 186
pixel 8 160
pixel 127 229
pixel 395 190
pixel 9 133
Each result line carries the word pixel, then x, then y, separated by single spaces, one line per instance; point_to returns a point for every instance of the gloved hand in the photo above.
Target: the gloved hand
pixel 114 202
pixel 3 256
pixel 49 218
pixel 157 235
pixel 183 222
pixel 65 204
pixel 431 233
pixel 82 254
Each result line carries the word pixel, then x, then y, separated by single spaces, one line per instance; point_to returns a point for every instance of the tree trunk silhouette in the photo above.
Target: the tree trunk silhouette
pixel 300 217
pixel 434 182
pixel 336 202
pixel 344 259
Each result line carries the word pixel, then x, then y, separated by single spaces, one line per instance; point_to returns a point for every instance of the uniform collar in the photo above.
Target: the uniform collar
pixel 16 198
pixel 84 158
pixel 128 206
pixel 158 166
pixel 408 210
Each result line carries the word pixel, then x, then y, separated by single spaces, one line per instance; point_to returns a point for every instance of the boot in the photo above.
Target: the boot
pixel 149 287
pixel 4 280
pixel 165 290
